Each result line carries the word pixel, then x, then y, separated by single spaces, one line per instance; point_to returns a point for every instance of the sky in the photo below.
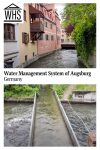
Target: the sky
pixel 59 8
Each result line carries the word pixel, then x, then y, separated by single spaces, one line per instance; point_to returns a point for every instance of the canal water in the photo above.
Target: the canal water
pixel 17 121
pixel 88 114
pixel 58 59
pixel 50 129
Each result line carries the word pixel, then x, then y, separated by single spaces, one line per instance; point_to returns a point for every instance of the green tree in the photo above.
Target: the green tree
pixel 83 18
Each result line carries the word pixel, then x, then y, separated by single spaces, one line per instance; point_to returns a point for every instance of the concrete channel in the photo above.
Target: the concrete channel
pixel 67 122
pixel 48 127
pixel 48 122
pixel 32 127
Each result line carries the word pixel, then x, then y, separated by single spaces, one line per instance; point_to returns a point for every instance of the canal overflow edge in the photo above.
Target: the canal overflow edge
pixel 67 123
pixel 32 127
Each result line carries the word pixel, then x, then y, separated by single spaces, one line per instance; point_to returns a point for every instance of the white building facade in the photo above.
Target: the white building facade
pixel 11 52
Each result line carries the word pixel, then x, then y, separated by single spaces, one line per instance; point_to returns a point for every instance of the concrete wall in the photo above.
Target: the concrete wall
pixel 92 59
pixel 84 97
pixel 30 48
pixel 91 62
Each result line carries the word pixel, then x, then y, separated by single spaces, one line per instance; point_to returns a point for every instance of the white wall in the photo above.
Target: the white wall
pixel 86 97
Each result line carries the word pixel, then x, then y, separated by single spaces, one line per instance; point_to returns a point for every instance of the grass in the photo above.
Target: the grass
pixel 85 87
pixel 60 88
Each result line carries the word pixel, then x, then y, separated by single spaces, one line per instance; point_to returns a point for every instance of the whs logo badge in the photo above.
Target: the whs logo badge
pixel 13 13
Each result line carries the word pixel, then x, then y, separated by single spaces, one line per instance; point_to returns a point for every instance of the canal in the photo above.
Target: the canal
pixel 58 59
pixel 50 129
pixel 17 121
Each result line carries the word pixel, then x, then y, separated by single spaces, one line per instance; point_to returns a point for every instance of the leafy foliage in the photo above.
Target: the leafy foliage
pixel 83 18
pixel 20 90
pixel 60 88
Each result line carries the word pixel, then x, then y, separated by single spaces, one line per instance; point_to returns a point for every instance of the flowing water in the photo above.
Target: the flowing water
pixel 85 123
pixel 17 120
pixel 50 129
pixel 58 59
pixel 88 114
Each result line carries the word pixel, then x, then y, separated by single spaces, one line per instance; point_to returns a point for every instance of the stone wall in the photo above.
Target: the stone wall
pixel 84 96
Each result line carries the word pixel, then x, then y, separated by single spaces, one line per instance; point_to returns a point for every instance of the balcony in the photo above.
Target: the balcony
pixel 36 23
pixel 36 26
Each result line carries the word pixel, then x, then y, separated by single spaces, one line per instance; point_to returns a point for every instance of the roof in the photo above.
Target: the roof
pixel 12 6
pixel 35 11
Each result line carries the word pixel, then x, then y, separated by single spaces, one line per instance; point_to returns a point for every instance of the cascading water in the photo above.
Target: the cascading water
pixel 17 121
pixel 50 129
pixel 80 125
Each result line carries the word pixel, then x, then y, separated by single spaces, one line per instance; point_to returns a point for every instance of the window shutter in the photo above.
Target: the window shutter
pixel 25 38
pixel 22 37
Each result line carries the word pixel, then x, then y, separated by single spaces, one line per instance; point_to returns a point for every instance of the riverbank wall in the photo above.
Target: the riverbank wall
pixel 35 58
pixel 91 63
pixel 19 99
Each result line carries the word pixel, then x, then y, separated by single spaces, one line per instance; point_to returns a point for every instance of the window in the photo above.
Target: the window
pixel 58 30
pixel 58 38
pixel 38 6
pixel 9 31
pixel 25 38
pixel 35 5
pixel 33 54
pixel 44 12
pixel 62 40
pixel 41 9
pixel 50 16
pixel 51 26
pixel 47 37
pixel 62 31
pixel 24 15
pixel 41 37
pixel 25 57
pixel 46 24
pixel 52 37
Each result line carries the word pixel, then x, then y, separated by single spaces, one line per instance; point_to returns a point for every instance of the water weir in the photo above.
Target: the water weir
pixel 50 128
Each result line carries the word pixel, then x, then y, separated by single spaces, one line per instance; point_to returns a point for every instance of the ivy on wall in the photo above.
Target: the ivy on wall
pixel 83 18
